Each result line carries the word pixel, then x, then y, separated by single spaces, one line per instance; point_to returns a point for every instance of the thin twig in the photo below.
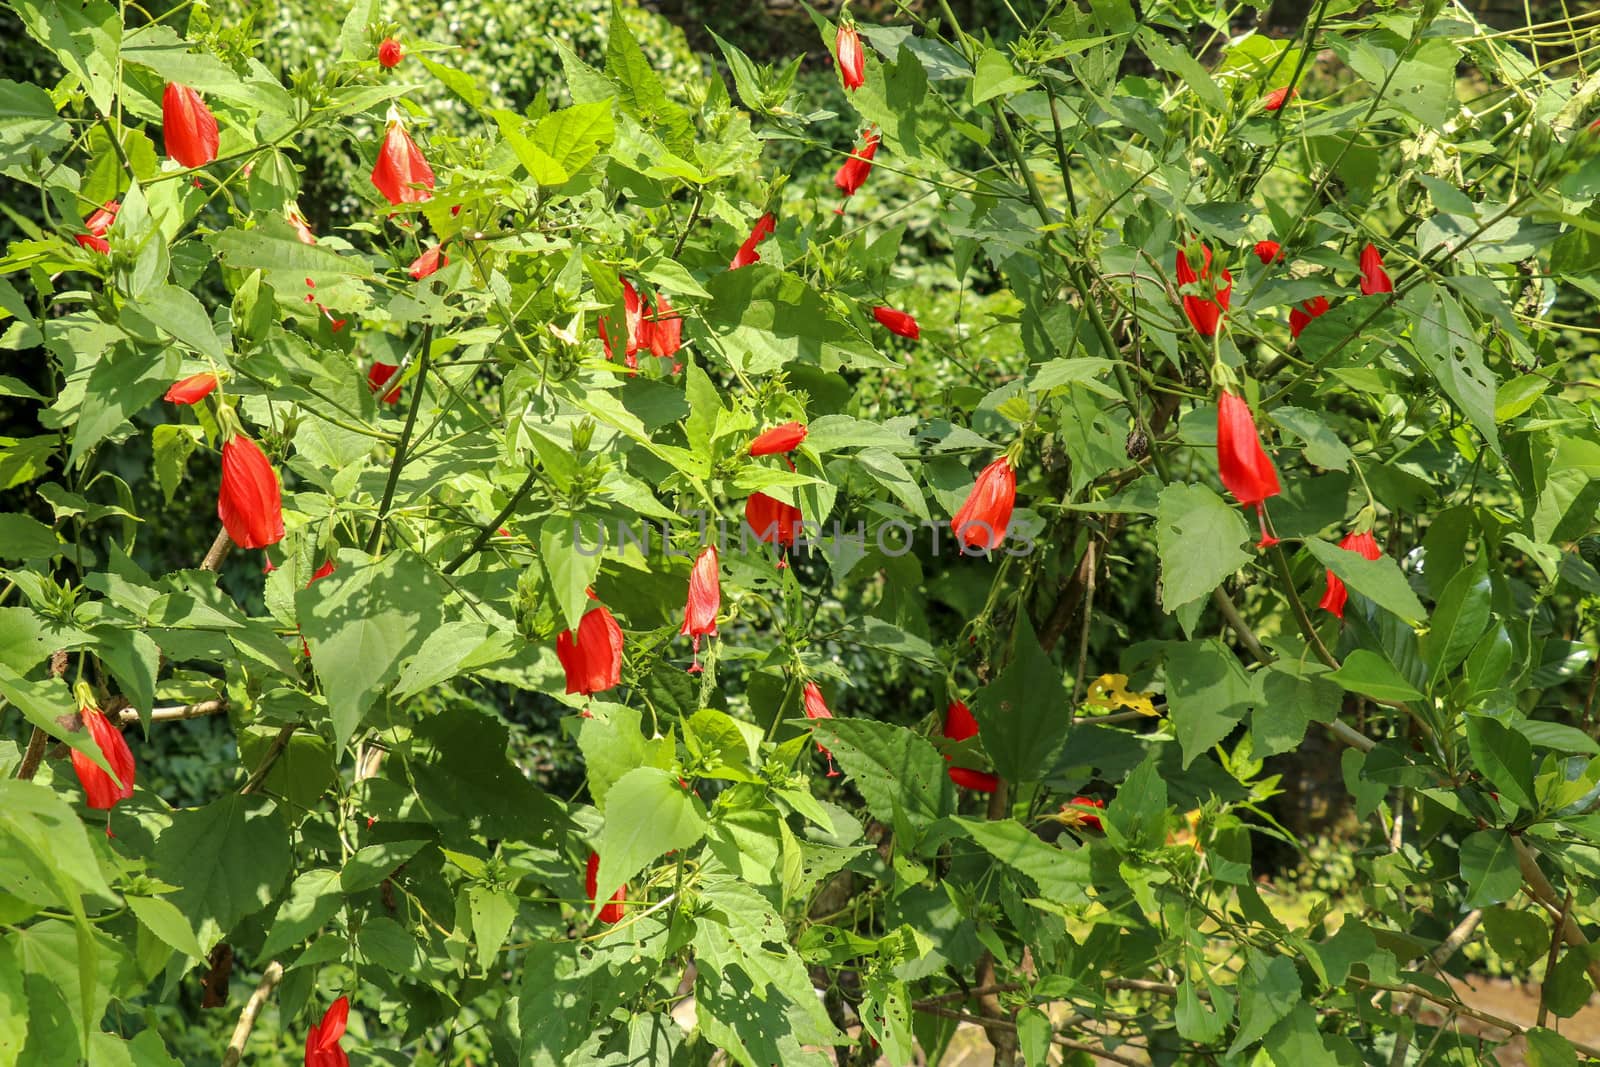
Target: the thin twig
pixel 252 1009
pixel 1540 888
pixel 217 551
pixel 259 775
pixel 1550 961
pixel 34 755
pixel 495 523
pixel 1459 1008
pixel 130 716
pixel 1065 1042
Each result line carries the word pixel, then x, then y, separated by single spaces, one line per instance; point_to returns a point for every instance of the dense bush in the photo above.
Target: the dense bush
pixel 1108 277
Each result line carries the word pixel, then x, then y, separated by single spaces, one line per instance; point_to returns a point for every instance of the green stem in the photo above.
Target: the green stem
pixel 405 441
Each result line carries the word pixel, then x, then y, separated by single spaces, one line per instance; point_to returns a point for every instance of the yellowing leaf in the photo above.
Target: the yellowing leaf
pixel 1111 691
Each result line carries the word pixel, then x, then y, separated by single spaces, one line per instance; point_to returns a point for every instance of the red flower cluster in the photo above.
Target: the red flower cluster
pixel 897 322
pixel 378 376
pixel 1204 312
pixel 705 600
pixel 390 53
pixel 401 173
pixel 817 708
pixel 852 175
pixel 612 911
pixel 1246 469
pixel 1335 595
pixel 659 330
pixel 191 390
pixel 592 656
pixel 852 61
pixel 187 126
pixel 96 226
pixel 99 788
pixel 958 726
pixel 984 518
pixel 747 253
pixel 322 1041
pixel 249 503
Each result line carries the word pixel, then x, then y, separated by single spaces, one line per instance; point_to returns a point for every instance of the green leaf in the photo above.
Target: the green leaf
pixel 24 538
pixel 1197 537
pixel 1489 865
pixel 493 911
pixel 640 91
pixel 464 772
pixel 1504 757
pixel 573 136
pixel 173 443
pixel 571 564
pixel 1380 580
pixel 613 744
pixel 1323 448
pixel 458 82
pixel 1168 56
pixel 1371 675
pixel 1137 816
pixel 179 314
pixel 361 622
pixel 648 814
pixel 1268 991
pixel 895 769
pixel 1546 1048
pixel 164 920
pixel 1208 694
pixel 49 705
pixel 121 384
pixel 229 858
pixel 992 76
pixel 1022 715
pixel 1566 988
pixel 1062 874
pixel 314 898
pixel 374 863
pixel 1458 620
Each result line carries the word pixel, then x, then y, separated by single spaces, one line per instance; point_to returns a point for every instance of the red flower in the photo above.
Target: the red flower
pixel 1091 821
pixel 852 61
pixel 1205 314
pixel 983 519
pixel 773 521
pixel 302 228
pixel 428 262
pixel 1278 97
pixel 958 726
pixel 612 911
pixel 817 708
pixel 779 440
pixel 705 600
pixel 322 1042
pixel 101 790
pixel 401 174
pixel 249 503
pixel 1335 595
pixel 1245 468
pixel 191 389
pixel 390 53
pixel 665 329
pixel 1300 317
pixel 638 328
pixel 319 574
pixel 379 375
pixel 188 128
pixel 1267 251
pixel 97 226
pixel 592 657
pixel 747 253
pixel 897 322
pixel 1374 279
pixel 854 172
